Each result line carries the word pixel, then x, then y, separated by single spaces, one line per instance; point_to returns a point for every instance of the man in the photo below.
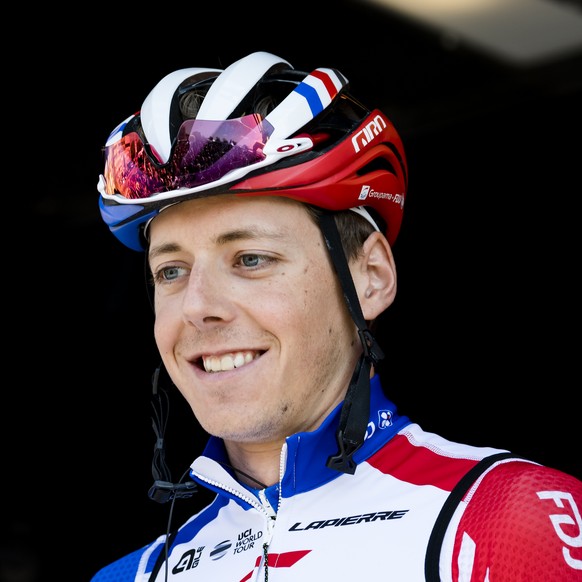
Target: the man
pixel 267 201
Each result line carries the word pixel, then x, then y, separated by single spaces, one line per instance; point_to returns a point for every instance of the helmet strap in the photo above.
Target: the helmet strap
pixel 355 410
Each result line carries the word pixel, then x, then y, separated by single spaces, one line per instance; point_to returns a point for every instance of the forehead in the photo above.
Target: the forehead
pixel 224 213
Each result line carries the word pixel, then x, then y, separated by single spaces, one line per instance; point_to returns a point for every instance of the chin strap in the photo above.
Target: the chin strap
pixel 356 407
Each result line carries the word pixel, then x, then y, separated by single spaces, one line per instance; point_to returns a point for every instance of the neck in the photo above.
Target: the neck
pixel 255 465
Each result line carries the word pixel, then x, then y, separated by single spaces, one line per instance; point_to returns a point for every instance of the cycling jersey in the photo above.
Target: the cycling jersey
pixel 392 520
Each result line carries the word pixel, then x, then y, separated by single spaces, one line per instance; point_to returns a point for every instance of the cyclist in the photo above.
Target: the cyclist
pixel 267 201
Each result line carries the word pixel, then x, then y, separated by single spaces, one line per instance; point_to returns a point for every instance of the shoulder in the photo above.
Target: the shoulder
pixel 521 520
pixel 427 459
pixel 124 569
pixel 517 486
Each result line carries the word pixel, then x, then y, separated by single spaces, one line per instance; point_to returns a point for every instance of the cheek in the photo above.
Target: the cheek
pixel 321 304
pixel 321 291
pixel 160 335
pixel 165 326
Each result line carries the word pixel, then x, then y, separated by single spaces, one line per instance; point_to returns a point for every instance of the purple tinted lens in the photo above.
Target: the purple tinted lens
pixel 204 152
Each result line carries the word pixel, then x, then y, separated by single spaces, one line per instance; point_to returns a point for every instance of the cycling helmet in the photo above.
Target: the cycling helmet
pixel 259 128
pixel 262 128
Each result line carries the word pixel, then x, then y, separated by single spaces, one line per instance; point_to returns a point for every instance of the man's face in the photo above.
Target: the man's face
pixel 245 288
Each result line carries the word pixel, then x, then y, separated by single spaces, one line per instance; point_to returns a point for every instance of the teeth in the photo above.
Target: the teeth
pixel 228 361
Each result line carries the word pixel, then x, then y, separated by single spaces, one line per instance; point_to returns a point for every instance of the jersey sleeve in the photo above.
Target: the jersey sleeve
pixel 124 569
pixel 520 522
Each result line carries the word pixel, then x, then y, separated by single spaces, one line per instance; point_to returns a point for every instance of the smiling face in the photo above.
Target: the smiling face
pixel 250 322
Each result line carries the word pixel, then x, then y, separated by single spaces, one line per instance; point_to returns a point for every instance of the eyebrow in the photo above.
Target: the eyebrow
pixel 162 249
pixel 252 232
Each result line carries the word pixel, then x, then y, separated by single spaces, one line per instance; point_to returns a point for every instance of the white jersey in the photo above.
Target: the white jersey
pixel 318 524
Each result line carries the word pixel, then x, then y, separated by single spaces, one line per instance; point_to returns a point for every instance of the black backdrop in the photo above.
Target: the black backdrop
pixel 481 344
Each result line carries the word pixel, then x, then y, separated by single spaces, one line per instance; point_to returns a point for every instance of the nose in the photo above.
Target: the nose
pixel 206 299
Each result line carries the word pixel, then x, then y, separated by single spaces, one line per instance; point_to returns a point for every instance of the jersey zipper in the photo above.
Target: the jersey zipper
pixel 272 514
pixel 262 504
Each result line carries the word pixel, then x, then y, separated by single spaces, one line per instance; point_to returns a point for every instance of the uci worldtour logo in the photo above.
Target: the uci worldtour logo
pixel 246 540
pixel 368 192
pixel 368 133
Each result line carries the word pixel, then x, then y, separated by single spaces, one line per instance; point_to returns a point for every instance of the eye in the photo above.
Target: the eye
pixel 250 260
pixel 254 261
pixel 171 273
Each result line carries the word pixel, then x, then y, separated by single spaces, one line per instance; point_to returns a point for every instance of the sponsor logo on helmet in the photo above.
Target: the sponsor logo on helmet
pixel 368 192
pixel 364 192
pixel 368 133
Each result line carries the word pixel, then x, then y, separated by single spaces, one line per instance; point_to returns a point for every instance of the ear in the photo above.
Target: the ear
pixel 374 274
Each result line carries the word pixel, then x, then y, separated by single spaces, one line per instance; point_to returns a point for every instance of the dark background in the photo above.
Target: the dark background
pixel 482 343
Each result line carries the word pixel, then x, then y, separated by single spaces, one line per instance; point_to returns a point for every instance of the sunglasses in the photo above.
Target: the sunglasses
pixel 203 153
pixel 210 153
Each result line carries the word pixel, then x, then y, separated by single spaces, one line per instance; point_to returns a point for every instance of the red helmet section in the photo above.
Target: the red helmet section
pixel 368 168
